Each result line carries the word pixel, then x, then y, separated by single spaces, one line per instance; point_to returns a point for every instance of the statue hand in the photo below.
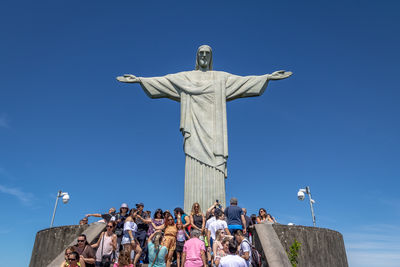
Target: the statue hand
pixel 128 78
pixel 280 74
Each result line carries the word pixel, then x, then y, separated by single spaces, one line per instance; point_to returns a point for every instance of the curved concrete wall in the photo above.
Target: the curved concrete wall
pixel 50 242
pixel 319 246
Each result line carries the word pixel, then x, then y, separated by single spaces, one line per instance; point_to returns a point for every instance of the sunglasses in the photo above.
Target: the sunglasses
pixel 81 240
pixel 109 226
pixel 71 259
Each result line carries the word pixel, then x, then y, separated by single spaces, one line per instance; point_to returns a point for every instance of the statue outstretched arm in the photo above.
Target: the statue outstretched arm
pixel 248 86
pixel 128 78
pixel 154 87
pixel 279 75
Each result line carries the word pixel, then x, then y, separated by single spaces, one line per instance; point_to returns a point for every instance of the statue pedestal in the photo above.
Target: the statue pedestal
pixel 203 185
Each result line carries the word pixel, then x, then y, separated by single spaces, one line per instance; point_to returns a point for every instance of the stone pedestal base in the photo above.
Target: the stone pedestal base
pixel 203 184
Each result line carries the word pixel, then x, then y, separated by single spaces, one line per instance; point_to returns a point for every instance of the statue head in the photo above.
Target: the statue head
pixel 204 58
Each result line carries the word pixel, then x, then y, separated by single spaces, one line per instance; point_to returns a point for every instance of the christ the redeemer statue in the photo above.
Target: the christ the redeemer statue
pixel 203 94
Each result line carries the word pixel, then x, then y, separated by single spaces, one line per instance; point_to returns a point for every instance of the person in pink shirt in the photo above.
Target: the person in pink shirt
pixel 194 251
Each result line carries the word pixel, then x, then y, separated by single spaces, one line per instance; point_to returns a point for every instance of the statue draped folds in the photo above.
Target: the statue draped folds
pixel 203 97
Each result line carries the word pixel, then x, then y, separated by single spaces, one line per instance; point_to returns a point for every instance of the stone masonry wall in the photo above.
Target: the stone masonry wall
pixel 49 242
pixel 319 246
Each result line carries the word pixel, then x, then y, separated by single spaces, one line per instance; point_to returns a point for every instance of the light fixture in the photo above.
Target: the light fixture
pixel 301 196
pixel 65 199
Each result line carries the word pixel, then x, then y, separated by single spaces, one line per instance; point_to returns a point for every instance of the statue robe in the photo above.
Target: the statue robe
pixel 203 124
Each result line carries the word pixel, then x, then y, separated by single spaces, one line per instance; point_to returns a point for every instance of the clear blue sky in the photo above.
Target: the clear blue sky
pixel 66 123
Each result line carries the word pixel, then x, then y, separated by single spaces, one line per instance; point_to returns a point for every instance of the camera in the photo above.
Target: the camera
pixel 300 195
pixel 65 198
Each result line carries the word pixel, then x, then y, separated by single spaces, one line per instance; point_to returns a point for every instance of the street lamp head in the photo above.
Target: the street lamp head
pixel 65 198
pixel 300 195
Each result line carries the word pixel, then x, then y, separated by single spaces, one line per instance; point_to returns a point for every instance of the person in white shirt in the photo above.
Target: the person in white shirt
pixel 231 260
pixel 244 248
pixel 220 223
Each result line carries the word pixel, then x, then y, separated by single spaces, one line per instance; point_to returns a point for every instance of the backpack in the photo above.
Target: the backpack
pixel 255 255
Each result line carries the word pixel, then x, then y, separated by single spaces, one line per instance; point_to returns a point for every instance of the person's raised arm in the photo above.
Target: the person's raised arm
pixel 211 208
pixel 150 237
pixel 147 220
pixel 93 215
pixel 161 227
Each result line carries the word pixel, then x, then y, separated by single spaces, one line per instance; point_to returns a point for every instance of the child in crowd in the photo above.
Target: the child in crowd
pixel 181 236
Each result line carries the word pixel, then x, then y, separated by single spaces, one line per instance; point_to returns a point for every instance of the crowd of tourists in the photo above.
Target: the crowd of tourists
pixel 218 237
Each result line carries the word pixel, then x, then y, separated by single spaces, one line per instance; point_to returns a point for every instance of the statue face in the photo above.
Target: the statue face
pixel 204 57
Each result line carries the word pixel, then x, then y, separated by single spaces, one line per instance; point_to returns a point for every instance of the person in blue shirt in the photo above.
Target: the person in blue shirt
pixel 157 252
pixel 235 217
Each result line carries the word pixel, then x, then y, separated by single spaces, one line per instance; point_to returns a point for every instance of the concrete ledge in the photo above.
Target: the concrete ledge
pixel 319 246
pixel 49 242
pixel 272 250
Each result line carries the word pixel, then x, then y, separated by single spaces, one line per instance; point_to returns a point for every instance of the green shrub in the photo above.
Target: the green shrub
pixel 294 253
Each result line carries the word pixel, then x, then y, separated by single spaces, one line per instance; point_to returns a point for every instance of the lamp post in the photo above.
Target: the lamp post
pixel 65 199
pixel 301 196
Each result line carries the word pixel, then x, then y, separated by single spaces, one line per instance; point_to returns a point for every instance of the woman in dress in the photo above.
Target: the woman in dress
pixel 170 231
pixel 128 241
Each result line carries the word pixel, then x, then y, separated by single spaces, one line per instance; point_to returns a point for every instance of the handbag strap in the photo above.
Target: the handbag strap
pixel 102 245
